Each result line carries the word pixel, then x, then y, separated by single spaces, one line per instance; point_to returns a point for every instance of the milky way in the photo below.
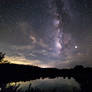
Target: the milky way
pixel 58 36
pixel 47 33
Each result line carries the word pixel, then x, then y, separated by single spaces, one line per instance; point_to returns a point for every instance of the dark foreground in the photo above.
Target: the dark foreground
pixel 13 72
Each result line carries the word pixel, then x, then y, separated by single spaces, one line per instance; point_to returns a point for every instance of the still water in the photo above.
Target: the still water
pixel 44 85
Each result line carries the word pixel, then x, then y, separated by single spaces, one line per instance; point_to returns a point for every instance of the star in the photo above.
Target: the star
pixel 76 46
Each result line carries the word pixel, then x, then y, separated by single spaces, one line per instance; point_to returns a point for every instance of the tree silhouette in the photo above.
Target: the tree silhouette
pixel 78 67
pixel 2 56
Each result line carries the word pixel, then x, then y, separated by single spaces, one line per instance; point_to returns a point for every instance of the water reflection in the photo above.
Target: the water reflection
pixel 44 85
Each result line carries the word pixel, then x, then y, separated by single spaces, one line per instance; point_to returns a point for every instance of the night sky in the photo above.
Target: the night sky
pixel 47 33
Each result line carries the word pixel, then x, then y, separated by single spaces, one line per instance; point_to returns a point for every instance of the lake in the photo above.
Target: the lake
pixel 43 85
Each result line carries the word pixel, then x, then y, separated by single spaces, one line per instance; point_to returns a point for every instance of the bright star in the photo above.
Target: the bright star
pixel 76 47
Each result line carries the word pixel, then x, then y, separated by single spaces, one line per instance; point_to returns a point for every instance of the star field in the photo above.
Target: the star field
pixel 51 33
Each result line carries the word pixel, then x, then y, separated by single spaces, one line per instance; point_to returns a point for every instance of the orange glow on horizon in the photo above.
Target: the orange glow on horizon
pixel 23 61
